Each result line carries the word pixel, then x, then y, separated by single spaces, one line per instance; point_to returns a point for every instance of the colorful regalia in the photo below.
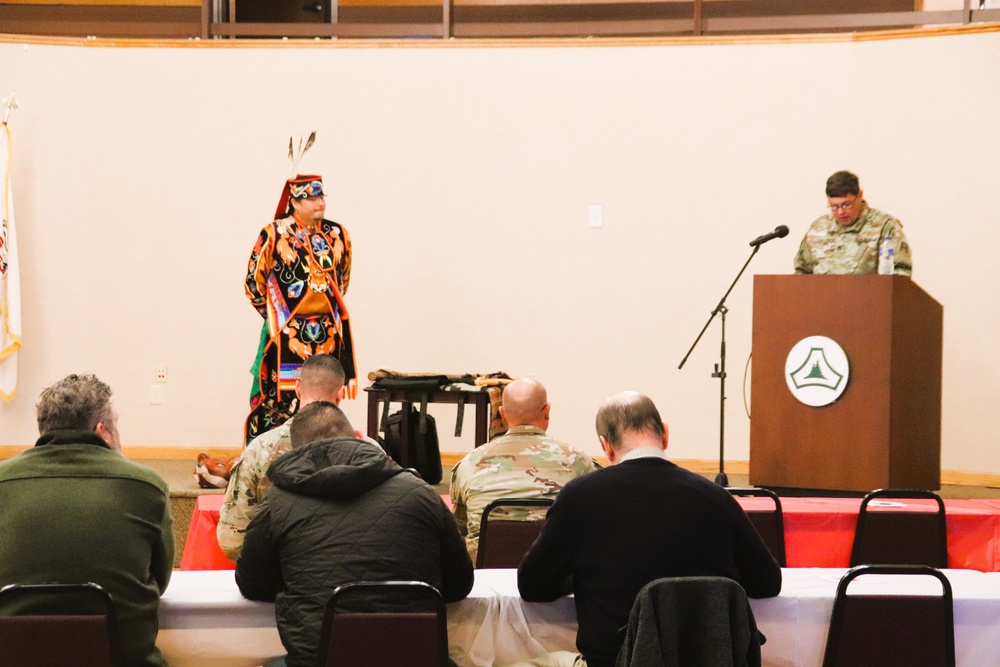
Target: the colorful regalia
pixel 296 278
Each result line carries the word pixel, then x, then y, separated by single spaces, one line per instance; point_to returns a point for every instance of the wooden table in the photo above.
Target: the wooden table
pixel 376 397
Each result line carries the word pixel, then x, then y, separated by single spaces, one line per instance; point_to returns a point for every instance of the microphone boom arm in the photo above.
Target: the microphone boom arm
pixel 720 368
pixel 719 308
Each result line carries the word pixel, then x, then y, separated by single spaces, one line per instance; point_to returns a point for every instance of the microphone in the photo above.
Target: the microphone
pixel 779 232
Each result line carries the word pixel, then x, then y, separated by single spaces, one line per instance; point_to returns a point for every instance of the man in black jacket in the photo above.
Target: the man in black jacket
pixel 340 511
pixel 613 531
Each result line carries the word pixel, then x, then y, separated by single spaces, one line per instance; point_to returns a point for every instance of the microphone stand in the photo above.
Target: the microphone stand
pixel 720 369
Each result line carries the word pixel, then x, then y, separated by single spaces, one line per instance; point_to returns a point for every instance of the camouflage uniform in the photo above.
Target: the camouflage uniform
pixel 524 463
pixel 829 247
pixel 247 487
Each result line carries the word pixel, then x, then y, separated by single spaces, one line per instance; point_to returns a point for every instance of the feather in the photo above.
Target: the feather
pixel 295 156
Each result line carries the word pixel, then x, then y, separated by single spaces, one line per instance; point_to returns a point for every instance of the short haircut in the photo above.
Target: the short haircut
pixel 841 184
pixel 319 420
pixel 624 413
pixel 76 401
pixel 324 372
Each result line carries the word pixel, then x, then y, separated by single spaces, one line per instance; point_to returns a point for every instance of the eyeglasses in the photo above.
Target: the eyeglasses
pixel 842 207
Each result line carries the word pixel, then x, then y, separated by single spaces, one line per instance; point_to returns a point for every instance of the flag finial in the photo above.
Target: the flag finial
pixel 9 102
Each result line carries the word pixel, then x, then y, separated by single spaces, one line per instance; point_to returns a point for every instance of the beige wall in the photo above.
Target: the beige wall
pixel 464 173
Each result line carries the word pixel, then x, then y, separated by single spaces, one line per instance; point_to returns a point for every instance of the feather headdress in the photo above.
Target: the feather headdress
pixel 294 157
pixel 304 186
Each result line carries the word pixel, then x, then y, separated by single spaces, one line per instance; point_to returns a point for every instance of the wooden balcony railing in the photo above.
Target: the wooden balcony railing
pixel 446 19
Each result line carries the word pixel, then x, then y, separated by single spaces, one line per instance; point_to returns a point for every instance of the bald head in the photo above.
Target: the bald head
pixel 525 403
pixel 322 379
pixel 627 421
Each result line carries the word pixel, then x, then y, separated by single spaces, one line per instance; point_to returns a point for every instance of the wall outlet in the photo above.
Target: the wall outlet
pixel 157 394
pixel 161 374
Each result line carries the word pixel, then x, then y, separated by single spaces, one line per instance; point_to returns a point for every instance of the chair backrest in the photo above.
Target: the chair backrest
pixel 770 523
pixel 42 625
pixel 384 624
pixel 503 542
pixel 682 621
pixel 901 537
pixel 891 630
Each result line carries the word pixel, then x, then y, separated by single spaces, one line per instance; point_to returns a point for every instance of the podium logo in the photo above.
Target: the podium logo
pixel 817 370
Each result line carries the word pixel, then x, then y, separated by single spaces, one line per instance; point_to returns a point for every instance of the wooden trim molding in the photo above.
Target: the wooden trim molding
pixel 990 18
pixel 107 3
pixel 449 459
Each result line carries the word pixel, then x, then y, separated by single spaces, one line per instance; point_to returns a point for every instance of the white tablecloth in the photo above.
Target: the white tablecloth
pixel 205 621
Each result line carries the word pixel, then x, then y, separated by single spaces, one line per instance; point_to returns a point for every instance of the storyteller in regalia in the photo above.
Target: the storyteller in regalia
pixel 298 273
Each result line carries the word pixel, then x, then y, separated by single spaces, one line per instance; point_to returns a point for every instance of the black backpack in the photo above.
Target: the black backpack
pixel 424 455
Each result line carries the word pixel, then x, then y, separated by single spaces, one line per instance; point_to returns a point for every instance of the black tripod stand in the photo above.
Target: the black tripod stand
pixel 720 368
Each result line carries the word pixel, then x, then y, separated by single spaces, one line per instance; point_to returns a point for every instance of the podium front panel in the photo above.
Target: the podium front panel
pixel 849 444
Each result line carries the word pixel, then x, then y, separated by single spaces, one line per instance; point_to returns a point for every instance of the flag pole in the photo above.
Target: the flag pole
pixel 10 283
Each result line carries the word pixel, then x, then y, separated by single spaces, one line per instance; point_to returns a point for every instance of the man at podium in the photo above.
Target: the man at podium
pixel 846 240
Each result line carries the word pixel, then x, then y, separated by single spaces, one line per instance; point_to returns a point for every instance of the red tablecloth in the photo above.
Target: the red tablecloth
pixel 818 532
pixel 201 549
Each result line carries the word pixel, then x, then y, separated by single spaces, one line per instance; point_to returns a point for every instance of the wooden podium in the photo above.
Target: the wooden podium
pixel 884 431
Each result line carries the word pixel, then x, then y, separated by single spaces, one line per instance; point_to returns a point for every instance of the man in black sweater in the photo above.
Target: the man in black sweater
pixel 611 532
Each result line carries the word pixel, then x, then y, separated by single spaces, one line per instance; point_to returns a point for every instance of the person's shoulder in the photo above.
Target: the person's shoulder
pixel 123 467
pixel 881 217
pixel 334 226
pixel 556 443
pixel 492 453
pixel 568 449
pixel 407 487
pixel 277 436
pixel 13 466
pixel 610 476
pixel 278 439
pixel 565 455
pixel 477 454
pixel 821 225
pixel 276 226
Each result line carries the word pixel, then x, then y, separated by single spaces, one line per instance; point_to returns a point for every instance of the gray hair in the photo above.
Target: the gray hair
pixel 76 401
pixel 627 412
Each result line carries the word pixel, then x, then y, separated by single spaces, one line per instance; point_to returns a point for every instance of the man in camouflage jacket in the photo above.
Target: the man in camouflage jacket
pixel 846 240
pixel 524 463
pixel 322 379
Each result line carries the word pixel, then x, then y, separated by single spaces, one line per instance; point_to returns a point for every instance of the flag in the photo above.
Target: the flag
pixel 10 280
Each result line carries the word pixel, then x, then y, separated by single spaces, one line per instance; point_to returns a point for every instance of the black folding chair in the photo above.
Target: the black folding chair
pixel 894 630
pixel 770 523
pixel 893 537
pixel 50 625
pixel 384 624
pixel 504 541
